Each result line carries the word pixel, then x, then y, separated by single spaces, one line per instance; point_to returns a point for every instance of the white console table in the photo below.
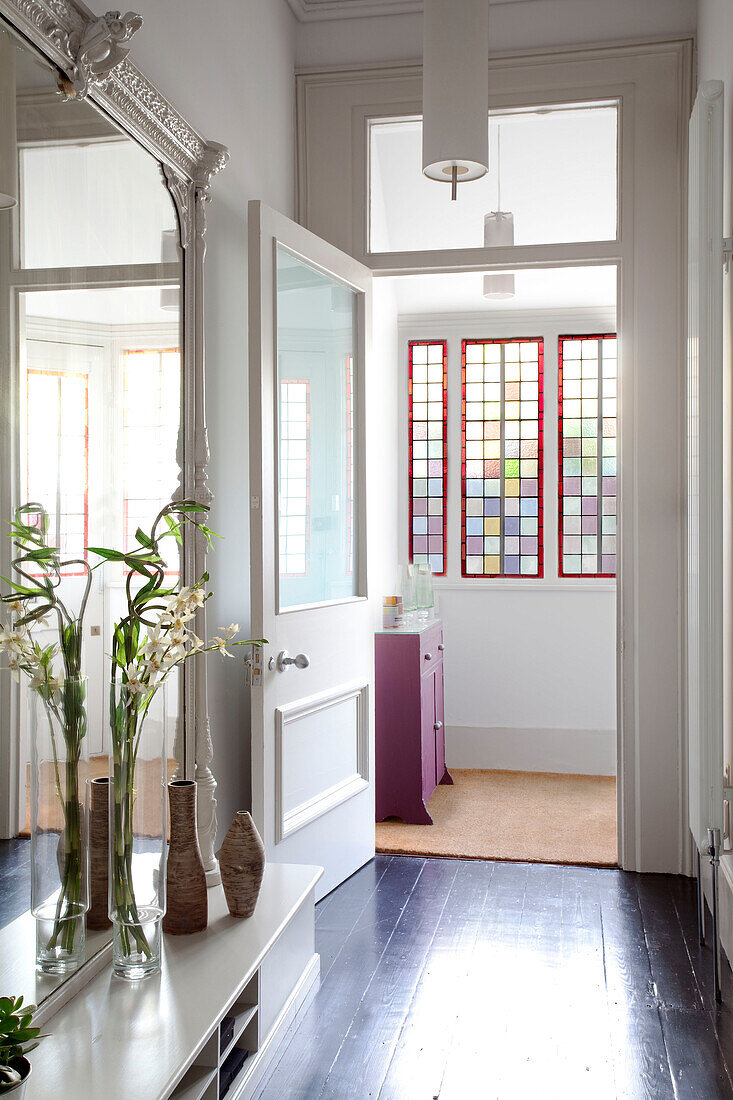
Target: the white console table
pixel 236 987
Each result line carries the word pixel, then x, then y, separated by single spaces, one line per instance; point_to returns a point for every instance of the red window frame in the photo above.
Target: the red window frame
pixel 562 572
pixel 61 374
pixel 503 534
pixel 412 344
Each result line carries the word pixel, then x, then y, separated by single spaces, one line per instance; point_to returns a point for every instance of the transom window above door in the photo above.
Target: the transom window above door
pixel 553 166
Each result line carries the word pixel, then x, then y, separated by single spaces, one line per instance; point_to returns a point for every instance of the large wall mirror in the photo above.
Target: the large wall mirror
pixel 101 375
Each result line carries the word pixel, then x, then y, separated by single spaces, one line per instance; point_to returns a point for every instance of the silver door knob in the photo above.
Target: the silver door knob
pixel 428 656
pixel 441 647
pixel 284 661
pixel 438 726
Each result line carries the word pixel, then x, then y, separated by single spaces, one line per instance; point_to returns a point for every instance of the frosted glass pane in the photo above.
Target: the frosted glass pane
pixel 554 168
pixel 316 356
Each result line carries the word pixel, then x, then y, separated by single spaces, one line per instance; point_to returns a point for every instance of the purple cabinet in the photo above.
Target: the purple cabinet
pixel 410 722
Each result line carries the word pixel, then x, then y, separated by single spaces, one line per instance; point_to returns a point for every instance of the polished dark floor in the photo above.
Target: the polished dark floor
pixel 458 980
pixel 15 879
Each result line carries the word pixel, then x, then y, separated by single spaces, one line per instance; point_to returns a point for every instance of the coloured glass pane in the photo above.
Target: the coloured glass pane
pixel 502 458
pixel 294 477
pixel 428 459
pixel 587 443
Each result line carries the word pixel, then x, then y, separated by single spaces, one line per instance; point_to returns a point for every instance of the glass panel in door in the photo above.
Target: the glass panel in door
pixel 316 342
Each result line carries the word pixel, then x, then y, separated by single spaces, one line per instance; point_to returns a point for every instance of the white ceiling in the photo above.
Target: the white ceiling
pixel 565 289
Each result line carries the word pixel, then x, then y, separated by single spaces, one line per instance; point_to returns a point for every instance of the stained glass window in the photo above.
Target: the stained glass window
pixel 293 526
pixel 587 442
pixel 502 458
pixel 151 413
pixel 58 456
pixel 428 458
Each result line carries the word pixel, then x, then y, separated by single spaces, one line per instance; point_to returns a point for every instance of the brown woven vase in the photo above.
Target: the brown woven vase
pixel 187 906
pixel 98 915
pixel 242 865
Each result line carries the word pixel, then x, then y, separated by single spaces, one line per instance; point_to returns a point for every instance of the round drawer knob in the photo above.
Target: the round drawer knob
pixel 441 647
pixel 428 656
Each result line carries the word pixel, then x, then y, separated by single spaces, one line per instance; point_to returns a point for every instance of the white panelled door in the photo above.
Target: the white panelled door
pixel 312 739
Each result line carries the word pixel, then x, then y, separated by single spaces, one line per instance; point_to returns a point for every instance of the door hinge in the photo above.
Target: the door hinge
pixel 727 252
pixel 727 796
pixel 253 665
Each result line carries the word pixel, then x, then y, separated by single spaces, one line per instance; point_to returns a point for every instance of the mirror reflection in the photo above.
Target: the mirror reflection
pixel 90 338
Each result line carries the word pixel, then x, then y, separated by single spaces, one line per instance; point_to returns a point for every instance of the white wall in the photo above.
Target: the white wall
pixel 228 66
pixel 530 664
pixel 525 25
pixel 715 62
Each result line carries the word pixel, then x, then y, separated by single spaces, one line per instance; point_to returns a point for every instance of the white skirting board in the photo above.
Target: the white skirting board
pixel 579 752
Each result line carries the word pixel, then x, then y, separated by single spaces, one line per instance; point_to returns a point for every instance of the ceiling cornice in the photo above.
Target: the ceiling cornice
pixel 309 11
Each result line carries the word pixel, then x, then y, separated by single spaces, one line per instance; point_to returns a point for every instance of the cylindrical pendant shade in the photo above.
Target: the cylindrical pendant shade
pixel 8 143
pixel 455 89
pixel 499 233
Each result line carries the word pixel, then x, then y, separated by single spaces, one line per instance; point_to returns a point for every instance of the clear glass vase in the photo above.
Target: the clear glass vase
pixel 406 589
pixel 137 828
pixel 424 591
pixel 59 822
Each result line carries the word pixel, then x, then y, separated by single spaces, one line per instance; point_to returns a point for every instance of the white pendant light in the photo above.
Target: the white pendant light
pixel 8 128
pixel 455 135
pixel 499 233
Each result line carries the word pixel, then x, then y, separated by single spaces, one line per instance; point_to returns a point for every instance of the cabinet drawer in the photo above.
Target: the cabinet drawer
pixel 431 648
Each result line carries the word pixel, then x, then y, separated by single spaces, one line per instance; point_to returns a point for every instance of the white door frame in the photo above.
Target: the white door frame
pixel 653 83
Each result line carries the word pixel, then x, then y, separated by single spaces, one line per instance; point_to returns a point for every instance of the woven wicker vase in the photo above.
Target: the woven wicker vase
pixel 98 915
pixel 187 906
pixel 242 865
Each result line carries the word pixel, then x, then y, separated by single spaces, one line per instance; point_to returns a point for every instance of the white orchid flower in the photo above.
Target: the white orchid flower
pixel 194 642
pixel 231 630
pixel 14 666
pixel 155 643
pixel 221 644
pixel 134 685
pixel 13 640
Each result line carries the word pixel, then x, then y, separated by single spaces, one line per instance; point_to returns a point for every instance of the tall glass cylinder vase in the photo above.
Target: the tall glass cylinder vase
pixel 59 822
pixel 137 827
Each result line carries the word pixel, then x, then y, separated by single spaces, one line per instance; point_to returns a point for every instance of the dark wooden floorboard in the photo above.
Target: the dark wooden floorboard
pixel 15 878
pixel 372 1035
pixel 304 1067
pixel 420 1055
pixel 462 980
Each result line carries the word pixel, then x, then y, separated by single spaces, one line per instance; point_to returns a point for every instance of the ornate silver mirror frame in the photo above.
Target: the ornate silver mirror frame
pixel 92 55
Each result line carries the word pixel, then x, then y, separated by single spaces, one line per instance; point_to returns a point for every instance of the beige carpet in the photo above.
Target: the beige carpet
pixel 536 817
